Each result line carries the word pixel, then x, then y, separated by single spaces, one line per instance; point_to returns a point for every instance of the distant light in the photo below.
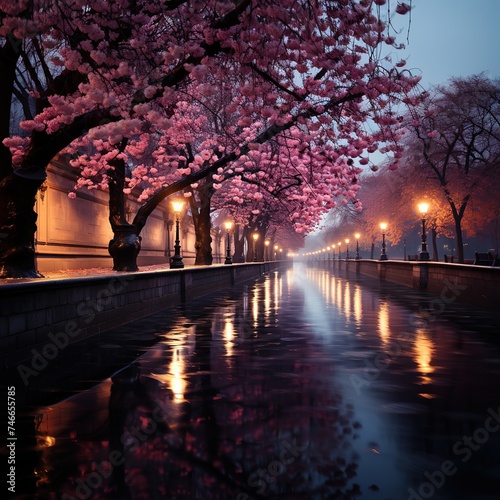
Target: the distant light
pixel 177 206
pixel 423 208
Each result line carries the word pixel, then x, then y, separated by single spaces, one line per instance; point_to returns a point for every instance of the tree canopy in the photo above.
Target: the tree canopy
pixel 168 92
pixel 450 159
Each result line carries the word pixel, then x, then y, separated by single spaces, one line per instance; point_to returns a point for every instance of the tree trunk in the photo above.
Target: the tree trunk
pixel 253 254
pixel 18 223
pixel 239 246
pixel 125 247
pixel 435 253
pixel 126 243
pixel 457 217
pixel 203 226
pixel 460 241
pixel 372 250
pixel 203 243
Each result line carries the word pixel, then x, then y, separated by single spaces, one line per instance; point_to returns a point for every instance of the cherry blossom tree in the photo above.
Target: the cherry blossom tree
pixel 267 215
pixel 88 69
pixel 114 78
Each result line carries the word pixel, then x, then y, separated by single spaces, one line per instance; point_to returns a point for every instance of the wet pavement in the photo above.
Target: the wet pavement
pixel 303 385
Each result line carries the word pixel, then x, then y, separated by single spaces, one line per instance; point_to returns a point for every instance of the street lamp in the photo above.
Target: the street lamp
pixel 423 208
pixel 276 252
pixel 266 250
pixel 383 226
pixel 176 262
pixel 255 237
pixel 339 243
pixel 357 236
pixel 228 225
pixel 347 248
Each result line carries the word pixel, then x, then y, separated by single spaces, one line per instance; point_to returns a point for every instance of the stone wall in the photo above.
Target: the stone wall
pixel 74 233
pixel 48 313
pixel 477 285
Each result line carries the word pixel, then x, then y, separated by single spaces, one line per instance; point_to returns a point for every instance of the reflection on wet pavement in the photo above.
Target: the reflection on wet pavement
pixel 304 385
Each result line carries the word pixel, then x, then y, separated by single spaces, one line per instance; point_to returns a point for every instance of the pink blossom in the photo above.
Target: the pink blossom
pixel 149 92
pixel 402 8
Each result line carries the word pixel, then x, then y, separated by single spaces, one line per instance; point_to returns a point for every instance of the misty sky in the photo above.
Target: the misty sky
pixel 452 38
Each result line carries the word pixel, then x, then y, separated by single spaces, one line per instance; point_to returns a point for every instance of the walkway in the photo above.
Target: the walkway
pixel 303 385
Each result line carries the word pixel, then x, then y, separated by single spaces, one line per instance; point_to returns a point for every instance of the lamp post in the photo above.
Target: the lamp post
pixel 383 226
pixel 339 243
pixel 424 254
pixel 347 248
pixel 276 251
pixel 176 262
pixel 333 251
pixel 255 237
pixel 228 225
pixel 168 226
pixel 357 236
pixel 266 250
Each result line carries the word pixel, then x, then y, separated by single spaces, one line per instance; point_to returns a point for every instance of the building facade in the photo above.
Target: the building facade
pixel 74 233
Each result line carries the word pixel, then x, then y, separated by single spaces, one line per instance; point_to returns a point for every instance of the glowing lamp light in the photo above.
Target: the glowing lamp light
pixel 383 226
pixel 423 208
pixel 255 237
pixel 176 262
pixel 178 206
pixel 228 225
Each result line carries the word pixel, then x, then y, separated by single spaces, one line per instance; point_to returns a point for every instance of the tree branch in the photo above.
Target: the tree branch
pixel 273 130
